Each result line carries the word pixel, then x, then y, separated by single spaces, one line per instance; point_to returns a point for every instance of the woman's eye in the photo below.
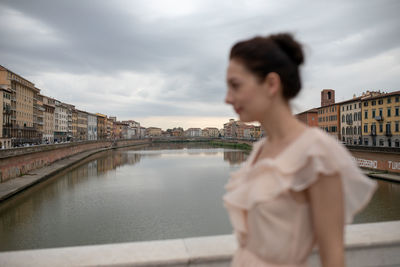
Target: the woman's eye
pixel 235 86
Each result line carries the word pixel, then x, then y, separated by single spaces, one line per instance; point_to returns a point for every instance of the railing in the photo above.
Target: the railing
pixel 388 133
pixel 379 118
pixel 372 244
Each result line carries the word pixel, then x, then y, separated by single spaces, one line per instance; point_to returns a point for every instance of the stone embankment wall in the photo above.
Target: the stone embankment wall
pixel 19 161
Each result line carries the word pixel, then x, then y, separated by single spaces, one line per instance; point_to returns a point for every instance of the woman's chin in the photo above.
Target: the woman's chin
pixel 244 118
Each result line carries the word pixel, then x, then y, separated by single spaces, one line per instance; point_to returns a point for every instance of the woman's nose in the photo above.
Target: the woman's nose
pixel 228 98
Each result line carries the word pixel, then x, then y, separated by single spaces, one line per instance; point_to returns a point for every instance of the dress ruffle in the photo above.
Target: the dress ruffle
pixel 300 165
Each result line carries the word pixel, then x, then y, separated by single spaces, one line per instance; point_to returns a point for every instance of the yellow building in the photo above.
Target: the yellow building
pixel 5 117
pixel 48 125
pixel 22 101
pixel 101 126
pixel 110 128
pixel 212 131
pixel 380 120
pixel 153 131
pixel 82 126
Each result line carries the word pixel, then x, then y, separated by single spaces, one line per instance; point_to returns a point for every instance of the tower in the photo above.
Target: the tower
pixel 327 97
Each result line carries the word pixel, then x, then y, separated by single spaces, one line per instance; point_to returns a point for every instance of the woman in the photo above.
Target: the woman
pixel 299 186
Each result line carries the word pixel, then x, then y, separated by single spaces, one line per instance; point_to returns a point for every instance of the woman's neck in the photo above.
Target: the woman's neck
pixel 280 125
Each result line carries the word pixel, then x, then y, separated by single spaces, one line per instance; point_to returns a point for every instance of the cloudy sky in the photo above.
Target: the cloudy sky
pixel 163 63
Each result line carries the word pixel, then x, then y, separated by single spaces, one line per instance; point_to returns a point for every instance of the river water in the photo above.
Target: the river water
pixel 155 192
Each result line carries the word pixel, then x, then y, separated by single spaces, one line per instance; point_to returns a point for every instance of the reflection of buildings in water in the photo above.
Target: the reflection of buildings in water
pixel 235 157
pixel 117 159
pixel 92 168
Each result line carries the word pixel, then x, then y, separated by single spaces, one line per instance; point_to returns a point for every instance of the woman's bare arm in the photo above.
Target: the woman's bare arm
pixel 327 206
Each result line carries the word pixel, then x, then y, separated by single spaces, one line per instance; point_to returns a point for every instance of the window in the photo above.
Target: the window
pixel 359 116
pixel 355 116
pixel 366 141
pixel 380 101
pixel 396 127
pixel 365 104
pixel 355 106
pixel 380 112
pixel 343 108
pixel 397 99
pixel 388 128
pixel 342 118
pixel 343 131
pixel 359 105
pixel 389 112
pixel 380 128
pixel 373 113
pixel 381 142
pixel 396 110
pixel 389 100
pixel 366 114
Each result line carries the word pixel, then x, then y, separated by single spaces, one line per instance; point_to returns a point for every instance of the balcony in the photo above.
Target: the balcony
pixel 349 122
pixel 373 133
pixel 379 118
pixel 388 134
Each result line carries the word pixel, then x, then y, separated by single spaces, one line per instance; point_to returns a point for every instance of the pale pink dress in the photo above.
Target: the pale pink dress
pixel 272 228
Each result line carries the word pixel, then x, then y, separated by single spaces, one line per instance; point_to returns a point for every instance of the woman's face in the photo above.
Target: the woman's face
pixel 245 93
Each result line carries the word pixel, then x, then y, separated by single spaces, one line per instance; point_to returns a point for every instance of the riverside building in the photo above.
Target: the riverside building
pixel 351 121
pixel 38 117
pixel 92 126
pixel 48 123
pixel 380 119
pixel 101 126
pixel 82 125
pixel 60 122
pixel 22 100
pixel 328 113
pixel 5 117
pixel 309 117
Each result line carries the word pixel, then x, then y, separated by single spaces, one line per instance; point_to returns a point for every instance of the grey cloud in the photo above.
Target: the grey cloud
pixel 106 38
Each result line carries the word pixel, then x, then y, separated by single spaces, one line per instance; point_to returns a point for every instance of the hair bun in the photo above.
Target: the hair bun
pixel 291 47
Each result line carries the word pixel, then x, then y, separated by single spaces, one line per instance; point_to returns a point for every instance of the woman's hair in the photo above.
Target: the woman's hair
pixel 278 53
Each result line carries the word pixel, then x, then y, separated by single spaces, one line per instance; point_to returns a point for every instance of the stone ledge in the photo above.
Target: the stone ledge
pixel 373 244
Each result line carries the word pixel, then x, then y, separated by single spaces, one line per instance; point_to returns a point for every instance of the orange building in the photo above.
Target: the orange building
pixel 309 117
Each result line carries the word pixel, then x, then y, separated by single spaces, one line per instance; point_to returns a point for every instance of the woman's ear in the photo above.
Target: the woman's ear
pixel 273 83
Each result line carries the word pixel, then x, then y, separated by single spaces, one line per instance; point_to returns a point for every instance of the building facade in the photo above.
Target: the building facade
pixel 82 125
pixel 351 121
pixel 92 126
pixel 380 120
pixel 22 100
pixel 153 131
pixel 309 117
pixel 75 135
pixel 212 131
pixel 101 126
pixel 60 122
pixel 38 117
pixel 48 122
pixel 193 132
pixel 5 117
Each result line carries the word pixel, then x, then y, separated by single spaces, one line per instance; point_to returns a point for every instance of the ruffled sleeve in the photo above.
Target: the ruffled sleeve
pixel 296 168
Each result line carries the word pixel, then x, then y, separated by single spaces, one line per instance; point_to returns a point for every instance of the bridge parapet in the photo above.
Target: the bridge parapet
pixel 374 244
